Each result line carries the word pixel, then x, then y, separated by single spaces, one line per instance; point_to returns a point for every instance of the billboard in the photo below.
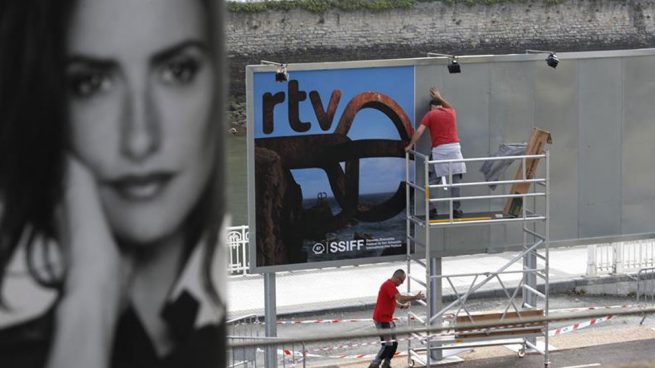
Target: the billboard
pixel 327 162
pixel 332 120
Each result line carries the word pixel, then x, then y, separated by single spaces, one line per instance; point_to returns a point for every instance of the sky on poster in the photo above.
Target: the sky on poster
pixel 379 175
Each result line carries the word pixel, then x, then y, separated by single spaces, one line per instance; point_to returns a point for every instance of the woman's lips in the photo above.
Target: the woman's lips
pixel 141 187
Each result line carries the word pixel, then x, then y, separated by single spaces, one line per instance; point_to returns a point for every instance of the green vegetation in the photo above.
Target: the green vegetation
pixel 321 6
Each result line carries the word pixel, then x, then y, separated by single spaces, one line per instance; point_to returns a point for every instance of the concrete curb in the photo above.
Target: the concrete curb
pixel 600 285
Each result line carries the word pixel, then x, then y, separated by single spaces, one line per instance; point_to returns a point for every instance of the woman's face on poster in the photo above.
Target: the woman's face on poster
pixel 140 88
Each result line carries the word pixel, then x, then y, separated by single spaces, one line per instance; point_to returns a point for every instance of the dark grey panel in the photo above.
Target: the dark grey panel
pixel 426 76
pixel 556 109
pixel 511 102
pixel 599 156
pixel 638 145
pixel 510 121
pixel 468 240
pixel 599 111
pixel 468 92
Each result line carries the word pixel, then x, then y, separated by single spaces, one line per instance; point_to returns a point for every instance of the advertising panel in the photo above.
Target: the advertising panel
pixel 326 160
pixel 327 165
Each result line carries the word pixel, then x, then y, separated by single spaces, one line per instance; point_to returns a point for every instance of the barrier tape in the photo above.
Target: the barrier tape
pixel 286 353
pixel 354 356
pixel 580 309
pixel 446 316
pixel 554 332
pixel 299 354
pixel 357 345
pixel 333 321
pixel 578 326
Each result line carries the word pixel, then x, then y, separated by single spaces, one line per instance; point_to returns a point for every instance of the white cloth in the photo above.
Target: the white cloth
pixel 450 151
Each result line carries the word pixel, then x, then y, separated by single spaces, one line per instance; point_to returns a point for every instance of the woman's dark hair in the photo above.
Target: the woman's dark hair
pixel 32 117
pixel 33 132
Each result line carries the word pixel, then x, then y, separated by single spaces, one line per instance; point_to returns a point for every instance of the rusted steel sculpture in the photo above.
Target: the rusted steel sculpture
pixel 278 155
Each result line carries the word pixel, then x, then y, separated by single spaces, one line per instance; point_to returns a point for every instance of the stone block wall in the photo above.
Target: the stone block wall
pixel 302 36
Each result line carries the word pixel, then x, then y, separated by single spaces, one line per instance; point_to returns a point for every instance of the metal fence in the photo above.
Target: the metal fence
pixel 243 329
pixel 237 241
pixel 646 288
pixel 294 351
pixel 250 331
pixel 620 257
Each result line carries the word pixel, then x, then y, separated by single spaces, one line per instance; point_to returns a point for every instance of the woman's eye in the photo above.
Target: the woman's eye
pixel 88 84
pixel 180 72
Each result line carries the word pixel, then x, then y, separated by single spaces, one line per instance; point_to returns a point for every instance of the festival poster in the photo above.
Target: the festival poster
pixel 329 167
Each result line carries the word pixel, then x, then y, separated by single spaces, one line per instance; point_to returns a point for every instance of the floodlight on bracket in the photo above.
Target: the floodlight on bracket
pixel 281 73
pixel 551 60
pixel 453 65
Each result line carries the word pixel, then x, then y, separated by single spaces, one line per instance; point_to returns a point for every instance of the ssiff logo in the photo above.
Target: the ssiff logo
pixel 338 246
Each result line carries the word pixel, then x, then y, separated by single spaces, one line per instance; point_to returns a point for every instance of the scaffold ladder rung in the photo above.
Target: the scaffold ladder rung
pixel 415 241
pixel 421 263
pixel 535 291
pixel 418 281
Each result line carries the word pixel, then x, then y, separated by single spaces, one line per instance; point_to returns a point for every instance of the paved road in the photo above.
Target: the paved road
pixel 636 353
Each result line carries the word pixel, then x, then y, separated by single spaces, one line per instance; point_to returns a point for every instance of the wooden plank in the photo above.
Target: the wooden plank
pixel 536 146
pixel 492 316
pixel 500 333
pixel 497 332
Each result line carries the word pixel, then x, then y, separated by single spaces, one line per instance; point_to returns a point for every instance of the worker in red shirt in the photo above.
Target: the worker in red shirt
pixel 385 306
pixel 441 120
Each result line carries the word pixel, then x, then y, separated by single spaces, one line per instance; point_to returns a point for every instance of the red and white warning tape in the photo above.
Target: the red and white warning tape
pixel 447 316
pixel 357 345
pixel 624 306
pixel 354 356
pixel 331 321
pixel 299 354
pixel 578 326
pixel 286 353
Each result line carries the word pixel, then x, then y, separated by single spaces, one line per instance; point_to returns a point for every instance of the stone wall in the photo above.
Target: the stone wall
pixel 302 36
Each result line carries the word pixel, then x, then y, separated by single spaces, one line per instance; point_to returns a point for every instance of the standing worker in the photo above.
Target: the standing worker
pixel 442 122
pixel 385 306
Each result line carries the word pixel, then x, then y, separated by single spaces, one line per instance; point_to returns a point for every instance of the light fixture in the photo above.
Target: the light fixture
pixel 453 65
pixel 551 60
pixel 281 73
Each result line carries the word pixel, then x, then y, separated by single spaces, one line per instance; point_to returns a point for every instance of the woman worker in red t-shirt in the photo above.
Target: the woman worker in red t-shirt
pixel 441 120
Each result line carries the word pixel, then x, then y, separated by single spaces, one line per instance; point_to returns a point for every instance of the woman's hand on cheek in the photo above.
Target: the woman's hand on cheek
pixel 94 259
pixel 97 276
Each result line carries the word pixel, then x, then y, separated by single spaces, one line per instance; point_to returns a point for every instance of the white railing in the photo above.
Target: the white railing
pixel 620 257
pixel 237 242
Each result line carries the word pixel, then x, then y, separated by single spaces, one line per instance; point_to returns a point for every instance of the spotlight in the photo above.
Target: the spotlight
pixel 281 73
pixel 552 60
pixel 454 67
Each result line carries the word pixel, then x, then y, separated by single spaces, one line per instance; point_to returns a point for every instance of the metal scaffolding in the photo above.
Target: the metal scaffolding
pixel 528 268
